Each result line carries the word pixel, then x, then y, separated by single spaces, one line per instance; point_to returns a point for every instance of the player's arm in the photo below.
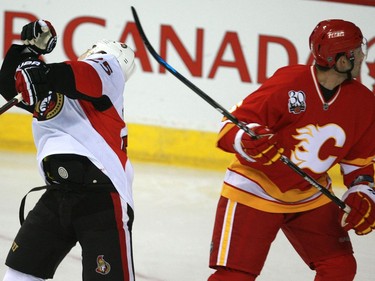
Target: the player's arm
pixel 14 56
pixel 78 80
pixel 39 38
pixel 360 197
pixel 263 149
pixel 35 79
pixel 74 84
pixel 357 169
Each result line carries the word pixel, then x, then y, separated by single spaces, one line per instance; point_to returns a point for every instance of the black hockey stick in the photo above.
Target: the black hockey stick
pixel 202 94
pixel 10 103
pixel 228 115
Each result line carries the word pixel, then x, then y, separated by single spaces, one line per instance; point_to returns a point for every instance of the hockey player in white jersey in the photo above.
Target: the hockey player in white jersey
pixel 81 140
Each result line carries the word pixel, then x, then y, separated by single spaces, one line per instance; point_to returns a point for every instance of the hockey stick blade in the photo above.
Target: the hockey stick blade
pixel 10 103
pixel 229 116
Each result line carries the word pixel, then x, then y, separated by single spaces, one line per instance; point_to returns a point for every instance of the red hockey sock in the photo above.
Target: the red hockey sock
pixel 341 268
pixel 223 274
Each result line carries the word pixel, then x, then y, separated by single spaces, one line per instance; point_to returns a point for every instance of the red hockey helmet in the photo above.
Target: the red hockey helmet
pixel 331 37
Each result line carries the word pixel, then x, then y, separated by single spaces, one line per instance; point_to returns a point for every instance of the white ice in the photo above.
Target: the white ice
pixel 175 208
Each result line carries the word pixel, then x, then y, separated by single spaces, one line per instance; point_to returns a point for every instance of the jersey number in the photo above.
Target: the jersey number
pixel 104 64
pixel 107 68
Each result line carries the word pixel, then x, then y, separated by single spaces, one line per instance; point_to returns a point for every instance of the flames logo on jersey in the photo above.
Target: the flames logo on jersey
pixel 48 107
pixel 307 153
pixel 103 267
pixel 296 102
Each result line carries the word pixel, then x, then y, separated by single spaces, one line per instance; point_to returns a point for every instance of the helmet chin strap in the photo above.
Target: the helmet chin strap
pixel 349 71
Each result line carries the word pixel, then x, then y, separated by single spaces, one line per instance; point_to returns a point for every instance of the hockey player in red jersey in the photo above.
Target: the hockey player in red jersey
pixel 81 139
pixel 318 116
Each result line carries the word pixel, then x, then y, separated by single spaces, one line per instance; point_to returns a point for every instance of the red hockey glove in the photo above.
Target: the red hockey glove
pixel 31 80
pixel 361 199
pixel 263 150
pixel 40 36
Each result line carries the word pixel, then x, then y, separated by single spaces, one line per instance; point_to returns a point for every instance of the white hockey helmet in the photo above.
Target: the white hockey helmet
pixel 123 53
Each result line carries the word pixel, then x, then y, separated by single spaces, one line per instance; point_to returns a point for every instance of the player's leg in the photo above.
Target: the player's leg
pixel 14 275
pixel 104 232
pixel 322 243
pixel 241 240
pixel 341 268
pixel 224 274
pixel 41 243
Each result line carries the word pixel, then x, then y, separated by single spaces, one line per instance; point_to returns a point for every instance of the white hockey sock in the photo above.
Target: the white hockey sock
pixel 14 275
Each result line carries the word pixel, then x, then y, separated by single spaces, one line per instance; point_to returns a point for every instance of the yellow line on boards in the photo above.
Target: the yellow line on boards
pixel 146 143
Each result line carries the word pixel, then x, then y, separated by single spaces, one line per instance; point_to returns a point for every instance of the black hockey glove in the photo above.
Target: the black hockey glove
pixel 31 80
pixel 40 36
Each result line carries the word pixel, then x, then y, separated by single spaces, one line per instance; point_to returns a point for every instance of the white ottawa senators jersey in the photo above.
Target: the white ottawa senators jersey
pixel 315 135
pixel 63 125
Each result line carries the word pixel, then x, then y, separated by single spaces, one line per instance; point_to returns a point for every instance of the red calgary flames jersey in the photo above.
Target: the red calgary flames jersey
pixel 315 135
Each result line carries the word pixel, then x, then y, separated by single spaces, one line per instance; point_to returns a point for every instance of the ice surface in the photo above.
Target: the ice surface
pixel 174 214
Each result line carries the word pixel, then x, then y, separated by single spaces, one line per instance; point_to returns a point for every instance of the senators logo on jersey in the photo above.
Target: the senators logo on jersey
pixel 48 107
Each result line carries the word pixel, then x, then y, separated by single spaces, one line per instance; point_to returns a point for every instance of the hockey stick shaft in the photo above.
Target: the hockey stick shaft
pixel 230 116
pixel 193 87
pixel 10 103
